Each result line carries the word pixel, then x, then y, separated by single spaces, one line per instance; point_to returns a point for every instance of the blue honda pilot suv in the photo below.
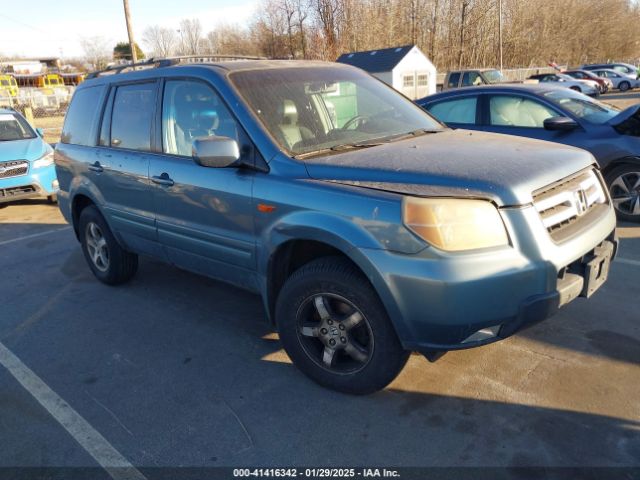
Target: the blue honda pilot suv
pixel 369 229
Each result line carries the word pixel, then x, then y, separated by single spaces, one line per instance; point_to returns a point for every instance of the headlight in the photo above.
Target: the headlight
pixel 455 224
pixel 44 161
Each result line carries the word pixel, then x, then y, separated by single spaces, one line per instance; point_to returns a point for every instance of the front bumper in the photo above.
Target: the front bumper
pixel 439 301
pixel 39 182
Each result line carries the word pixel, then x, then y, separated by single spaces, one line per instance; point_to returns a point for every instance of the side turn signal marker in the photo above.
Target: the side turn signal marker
pixel 264 208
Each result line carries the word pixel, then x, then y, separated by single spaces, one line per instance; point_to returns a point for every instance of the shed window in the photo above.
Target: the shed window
pixel 407 81
pixel 423 80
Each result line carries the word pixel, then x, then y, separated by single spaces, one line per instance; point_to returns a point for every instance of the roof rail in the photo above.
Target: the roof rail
pixel 167 62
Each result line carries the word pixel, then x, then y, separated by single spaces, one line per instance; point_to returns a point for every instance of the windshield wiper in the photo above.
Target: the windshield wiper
pixel 338 148
pixel 373 143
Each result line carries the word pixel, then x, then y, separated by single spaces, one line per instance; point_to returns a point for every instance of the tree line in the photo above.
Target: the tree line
pixel 453 33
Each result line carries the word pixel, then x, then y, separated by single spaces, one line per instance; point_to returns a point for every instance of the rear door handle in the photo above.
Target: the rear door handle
pixel 163 180
pixel 96 167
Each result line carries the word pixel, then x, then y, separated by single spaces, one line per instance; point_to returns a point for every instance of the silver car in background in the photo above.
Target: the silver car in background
pixel 620 80
pixel 588 87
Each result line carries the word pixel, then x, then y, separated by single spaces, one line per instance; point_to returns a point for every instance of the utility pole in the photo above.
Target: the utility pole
pixel 499 31
pixel 132 44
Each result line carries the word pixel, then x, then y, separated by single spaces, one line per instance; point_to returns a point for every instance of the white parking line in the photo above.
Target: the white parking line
pixel 34 235
pixel 628 261
pixel 118 467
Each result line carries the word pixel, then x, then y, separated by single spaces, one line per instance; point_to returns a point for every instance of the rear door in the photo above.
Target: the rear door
pixel 460 111
pixel 123 164
pixel 204 215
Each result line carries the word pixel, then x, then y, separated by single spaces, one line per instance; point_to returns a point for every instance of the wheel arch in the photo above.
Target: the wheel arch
pixel 612 165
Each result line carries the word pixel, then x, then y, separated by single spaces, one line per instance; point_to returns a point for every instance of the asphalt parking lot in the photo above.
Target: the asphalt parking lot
pixel 175 370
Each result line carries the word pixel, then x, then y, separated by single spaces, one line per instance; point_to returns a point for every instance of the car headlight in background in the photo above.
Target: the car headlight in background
pixel 44 161
pixel 455 224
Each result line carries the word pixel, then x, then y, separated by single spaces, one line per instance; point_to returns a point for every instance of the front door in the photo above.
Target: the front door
pixel 204 215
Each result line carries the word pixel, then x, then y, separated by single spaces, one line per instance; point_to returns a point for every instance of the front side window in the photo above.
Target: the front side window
pixel 622 69
pixel 516 111
pixel 582 106
pixel 133 109
pixel 14 127
pixel 471 78
pixel 311 110
pixel 461 110
pixel 190 110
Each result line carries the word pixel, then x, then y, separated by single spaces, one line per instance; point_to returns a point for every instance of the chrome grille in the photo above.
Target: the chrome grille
pixel 566 202
pixel 14 168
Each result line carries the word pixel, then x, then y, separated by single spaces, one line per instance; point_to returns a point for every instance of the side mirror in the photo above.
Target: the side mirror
pixel 216 152
pixel 40 132
pixel 560 124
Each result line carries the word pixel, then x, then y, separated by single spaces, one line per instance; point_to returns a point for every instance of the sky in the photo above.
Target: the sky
pixel 42 28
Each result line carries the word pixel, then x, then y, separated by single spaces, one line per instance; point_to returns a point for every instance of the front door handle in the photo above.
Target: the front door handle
pixel 163 180
pixel 96 167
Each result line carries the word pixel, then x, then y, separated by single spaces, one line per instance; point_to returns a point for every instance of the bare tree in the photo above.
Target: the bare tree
pixel 191 38
pixel 453 32
pixel 160 40
pixel 97 51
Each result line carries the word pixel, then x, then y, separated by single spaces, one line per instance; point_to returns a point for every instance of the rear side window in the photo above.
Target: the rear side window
pixel 133 110
pixel 454 78
pixel 81 118
pixel 462 110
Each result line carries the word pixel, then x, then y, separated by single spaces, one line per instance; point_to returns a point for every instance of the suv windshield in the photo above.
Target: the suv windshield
pixel 14 127
pixel 311 110
pixel 582 106
pixel 493 76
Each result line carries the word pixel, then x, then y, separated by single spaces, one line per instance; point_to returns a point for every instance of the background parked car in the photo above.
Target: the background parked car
pixel 558 115
pixel 620 81
pixel 588 87
pixel 624 68
pixel 26 161
pixel 470 78
pixel 604 83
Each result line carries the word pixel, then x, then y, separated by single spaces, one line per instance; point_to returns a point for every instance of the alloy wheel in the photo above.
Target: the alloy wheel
pixel 334 333
pixel 97 246
pixel 625 193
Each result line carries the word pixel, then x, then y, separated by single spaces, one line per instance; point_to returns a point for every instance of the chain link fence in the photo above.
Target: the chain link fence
pixel 43 107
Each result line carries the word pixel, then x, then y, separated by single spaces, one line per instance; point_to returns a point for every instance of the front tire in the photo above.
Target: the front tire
pixel 336 330
pixel 624 188
pixel 624 86
pixel 109 262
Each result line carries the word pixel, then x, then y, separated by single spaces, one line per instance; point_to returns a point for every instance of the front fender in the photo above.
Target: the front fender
pixel 337 232
pixel 340 233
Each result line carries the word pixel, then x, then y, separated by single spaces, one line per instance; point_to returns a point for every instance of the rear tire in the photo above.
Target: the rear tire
pixel 624 187
pixel 624 86
pixel 109 262
pixel 336 330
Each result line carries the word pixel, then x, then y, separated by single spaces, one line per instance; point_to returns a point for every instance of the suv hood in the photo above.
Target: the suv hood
pixel 453 163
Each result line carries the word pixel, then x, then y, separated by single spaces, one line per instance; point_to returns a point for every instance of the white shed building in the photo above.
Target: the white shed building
pixel 406 68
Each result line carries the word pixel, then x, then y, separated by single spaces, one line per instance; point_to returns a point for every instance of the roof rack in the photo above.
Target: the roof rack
pixel 167 62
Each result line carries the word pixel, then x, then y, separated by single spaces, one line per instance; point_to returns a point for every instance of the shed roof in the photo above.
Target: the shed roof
pixel 381 60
